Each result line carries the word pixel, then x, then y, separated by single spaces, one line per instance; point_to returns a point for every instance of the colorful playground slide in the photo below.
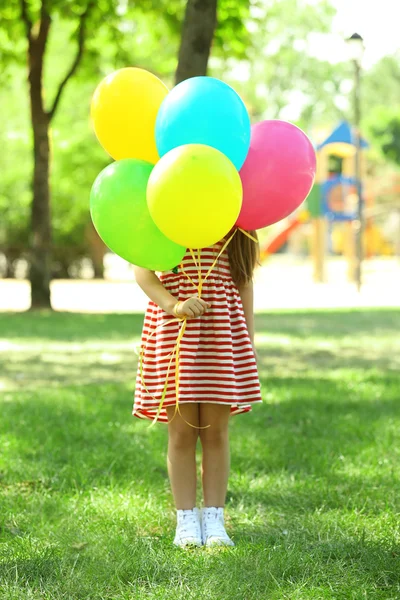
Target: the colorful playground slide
pixel 374 240
pixel 279 240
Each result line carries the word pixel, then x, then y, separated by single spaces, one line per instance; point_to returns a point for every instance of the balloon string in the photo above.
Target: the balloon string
pixel 248 235
pixel 220 252
pixel 176 350
pixel 200 288
pixel 168 368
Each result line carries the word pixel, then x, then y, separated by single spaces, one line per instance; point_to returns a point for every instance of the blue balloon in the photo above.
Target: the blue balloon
pixel 204 110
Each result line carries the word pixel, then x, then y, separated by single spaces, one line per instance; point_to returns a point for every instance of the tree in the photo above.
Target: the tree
pixel 219 25
pixel 112 25
pixel 37 22
pixel 197 35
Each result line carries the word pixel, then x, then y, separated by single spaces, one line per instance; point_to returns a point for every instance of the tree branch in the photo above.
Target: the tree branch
pixel 77 60
pixel 42 35
pixel 26 19
pixel 38 37
pixel 45 22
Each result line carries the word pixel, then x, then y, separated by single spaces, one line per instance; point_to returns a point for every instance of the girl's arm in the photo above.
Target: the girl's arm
pixel 154 289
pixel 247 296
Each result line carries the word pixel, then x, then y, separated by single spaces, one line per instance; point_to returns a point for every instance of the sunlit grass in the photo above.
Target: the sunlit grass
pixel 313 499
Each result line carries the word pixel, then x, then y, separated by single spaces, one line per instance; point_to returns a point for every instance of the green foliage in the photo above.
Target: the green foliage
pixel 381 85
pixel 15 163
pixel 384 125
pixel 232 37
pixel 279 68
pixel 118 40
pixel 391 147
pixel 380 99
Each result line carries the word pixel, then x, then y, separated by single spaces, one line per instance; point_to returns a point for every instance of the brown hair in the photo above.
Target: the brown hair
pixel 244 255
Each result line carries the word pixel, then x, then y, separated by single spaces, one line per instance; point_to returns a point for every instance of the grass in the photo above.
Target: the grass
pixel 313 501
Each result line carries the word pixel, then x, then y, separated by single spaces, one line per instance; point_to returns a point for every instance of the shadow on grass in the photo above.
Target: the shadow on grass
pixel 277 359
pixel 330 324
pixel 81 349
pixel 298 324
pixel 54 367
pixel 31 369
pixel 70 327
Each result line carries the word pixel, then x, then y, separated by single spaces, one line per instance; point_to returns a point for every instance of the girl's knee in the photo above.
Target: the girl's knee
pixel 215 435
pixel 183 436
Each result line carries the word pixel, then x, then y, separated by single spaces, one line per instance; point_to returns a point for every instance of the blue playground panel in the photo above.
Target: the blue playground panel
pixel 326 188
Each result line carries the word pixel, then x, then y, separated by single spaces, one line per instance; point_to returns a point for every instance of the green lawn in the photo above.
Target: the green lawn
pixel 314 495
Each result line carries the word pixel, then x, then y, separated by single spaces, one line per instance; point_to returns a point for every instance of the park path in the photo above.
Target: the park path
pixel 283 283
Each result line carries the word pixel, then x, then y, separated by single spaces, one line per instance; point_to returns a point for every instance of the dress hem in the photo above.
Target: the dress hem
pixel 143 413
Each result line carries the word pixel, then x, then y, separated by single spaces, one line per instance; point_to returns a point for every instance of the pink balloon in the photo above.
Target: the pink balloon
pixel 277 175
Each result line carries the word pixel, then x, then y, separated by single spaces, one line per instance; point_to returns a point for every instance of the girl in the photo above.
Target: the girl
pixel 217 374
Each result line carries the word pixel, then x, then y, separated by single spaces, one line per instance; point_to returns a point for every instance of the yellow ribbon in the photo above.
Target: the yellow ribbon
pixel 248 235
pixel 164 392
pixel 176 350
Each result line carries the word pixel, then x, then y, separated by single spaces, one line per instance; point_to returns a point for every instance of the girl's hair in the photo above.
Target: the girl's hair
pixel 244 255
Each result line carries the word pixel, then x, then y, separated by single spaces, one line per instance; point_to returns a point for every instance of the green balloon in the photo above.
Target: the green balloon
pixel 121 217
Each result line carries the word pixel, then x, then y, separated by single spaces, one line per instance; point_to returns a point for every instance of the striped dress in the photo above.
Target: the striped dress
pixel 216 360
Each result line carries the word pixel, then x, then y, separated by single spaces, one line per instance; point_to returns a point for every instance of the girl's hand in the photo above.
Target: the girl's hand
pixel 192 307
pixel 255 351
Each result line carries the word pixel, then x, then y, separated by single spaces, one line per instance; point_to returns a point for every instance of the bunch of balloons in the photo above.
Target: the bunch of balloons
pixel 188 167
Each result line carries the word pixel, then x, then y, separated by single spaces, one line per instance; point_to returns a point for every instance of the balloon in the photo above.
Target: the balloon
pixel 278 173
pixel 124 110
pixel 194 195
pixel 204 110
pixel 120 215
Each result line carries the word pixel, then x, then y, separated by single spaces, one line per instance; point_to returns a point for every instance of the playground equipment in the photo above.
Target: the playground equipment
pixel 282 237
pixel 331 207
pixel 334 196
pixel 333 199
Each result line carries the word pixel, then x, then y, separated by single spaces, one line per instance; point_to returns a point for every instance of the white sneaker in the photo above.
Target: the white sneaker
pixel 188 528
pixel 212 527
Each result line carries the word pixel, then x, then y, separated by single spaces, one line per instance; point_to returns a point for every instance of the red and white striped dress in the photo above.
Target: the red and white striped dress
pixel 216 360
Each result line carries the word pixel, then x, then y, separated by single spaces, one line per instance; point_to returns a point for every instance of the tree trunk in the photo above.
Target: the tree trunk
pixel 39 273
pixel 37 35
pixel 197 36
pixel 40 266
pixel 97 250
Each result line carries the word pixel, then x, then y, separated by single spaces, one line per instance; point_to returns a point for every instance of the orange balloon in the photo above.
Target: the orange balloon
pixel 124 110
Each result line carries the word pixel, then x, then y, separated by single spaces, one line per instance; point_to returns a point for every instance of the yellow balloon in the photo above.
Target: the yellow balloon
pixel 194 195
pixel 124 110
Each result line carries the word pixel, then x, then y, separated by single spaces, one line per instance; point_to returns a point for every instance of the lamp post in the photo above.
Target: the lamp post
pixel 356 51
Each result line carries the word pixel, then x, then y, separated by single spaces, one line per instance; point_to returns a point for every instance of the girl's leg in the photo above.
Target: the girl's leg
pixel 216 456
pixel 181 459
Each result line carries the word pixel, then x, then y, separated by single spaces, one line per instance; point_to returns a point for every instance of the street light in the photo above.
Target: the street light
pixel 356 48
